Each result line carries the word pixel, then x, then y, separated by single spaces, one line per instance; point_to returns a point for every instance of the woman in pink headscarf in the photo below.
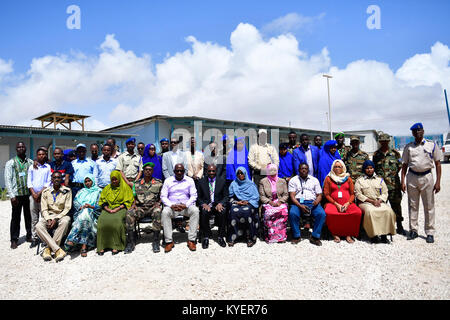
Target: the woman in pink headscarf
pixel 274 195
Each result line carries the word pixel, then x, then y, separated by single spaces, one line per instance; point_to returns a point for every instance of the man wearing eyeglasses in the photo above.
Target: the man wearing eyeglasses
pixel 179 197
pixel 172 157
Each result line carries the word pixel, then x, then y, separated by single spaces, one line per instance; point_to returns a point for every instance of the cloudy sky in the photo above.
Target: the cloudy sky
pixel 257 61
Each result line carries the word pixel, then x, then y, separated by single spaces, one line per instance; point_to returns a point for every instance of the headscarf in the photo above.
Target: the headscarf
pixel 272 171
pixel 366 164
pixel 286 169
pixel 88 195
pixel 157 160
pixel 114 197
pixel 244 190
pixel 236 159
pixel 339 179
pixel 326 160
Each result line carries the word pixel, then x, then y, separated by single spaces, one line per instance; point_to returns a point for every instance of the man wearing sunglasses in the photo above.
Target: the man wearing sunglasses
pixel 179 197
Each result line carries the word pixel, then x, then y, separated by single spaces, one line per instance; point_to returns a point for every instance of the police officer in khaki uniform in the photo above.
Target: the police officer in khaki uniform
pixel 419 157
pixel 147 204
pixel 388 164
pixel 130 163
pixel 354 159
pixel 56 202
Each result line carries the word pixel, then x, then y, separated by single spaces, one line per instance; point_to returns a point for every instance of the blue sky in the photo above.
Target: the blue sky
pixel 31 29
pixel 131 59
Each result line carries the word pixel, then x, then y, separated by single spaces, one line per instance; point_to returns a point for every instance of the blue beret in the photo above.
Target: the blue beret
pixel 163 139
pixel 416 126
pixel 130 140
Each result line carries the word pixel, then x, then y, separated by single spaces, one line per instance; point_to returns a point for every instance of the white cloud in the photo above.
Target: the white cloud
pixel 256 80
pixel 292 22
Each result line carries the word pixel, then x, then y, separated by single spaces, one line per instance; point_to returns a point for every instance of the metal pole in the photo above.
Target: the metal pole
pixel 329 104
pixel 446 101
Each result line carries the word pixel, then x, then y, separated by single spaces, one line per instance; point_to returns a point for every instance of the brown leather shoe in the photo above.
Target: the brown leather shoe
pixel 191 245
pixel 13 244
pixel 315 241
pixel 295 241
pixel 168 247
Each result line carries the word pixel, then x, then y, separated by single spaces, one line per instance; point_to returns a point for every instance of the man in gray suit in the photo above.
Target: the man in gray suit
pixel 172 157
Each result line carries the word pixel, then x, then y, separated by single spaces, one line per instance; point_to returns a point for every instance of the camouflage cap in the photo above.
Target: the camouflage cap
pixel 352 138
pixel 384 137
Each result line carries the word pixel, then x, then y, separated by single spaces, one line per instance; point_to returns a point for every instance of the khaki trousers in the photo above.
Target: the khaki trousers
pixel 60 231
pixel 420 187
pixel 35 209
pixel 166 218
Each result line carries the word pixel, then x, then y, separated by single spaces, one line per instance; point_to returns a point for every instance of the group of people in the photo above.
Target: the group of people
pixel 95 202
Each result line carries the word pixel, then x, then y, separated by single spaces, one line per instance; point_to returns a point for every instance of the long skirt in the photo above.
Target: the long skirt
pixel 343 223
pixel 275 222
pixel 84 229
pixel 111 230
pixel 243 223
pixel 378 220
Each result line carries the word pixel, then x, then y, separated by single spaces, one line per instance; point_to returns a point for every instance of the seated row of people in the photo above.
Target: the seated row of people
pixel 106 218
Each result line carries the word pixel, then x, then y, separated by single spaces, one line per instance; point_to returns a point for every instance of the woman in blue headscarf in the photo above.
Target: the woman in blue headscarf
pixel 87 211
pixel 238 157
pixel 244 198
pixel 327 156
pixel 151 156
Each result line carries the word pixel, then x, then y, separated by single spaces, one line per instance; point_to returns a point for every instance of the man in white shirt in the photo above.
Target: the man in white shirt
pixel 172 157
pixel 305 193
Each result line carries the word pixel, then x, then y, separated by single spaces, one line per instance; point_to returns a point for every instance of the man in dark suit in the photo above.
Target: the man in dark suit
pixel 212 199
pixel 213 157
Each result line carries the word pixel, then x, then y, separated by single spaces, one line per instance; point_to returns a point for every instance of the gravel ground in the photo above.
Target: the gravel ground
pixel 401 270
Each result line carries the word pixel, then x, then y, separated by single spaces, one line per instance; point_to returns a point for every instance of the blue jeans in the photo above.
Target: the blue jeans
pixel 317 212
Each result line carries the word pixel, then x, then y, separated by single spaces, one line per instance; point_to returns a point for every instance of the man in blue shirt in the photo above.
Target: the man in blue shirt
pixel 104 166
pixel 307 153
pixel 82 167
pixel 62 166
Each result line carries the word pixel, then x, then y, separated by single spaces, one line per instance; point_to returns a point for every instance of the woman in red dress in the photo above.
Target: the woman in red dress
pixel 343 215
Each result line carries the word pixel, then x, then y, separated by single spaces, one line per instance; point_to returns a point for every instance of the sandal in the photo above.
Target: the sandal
pixel 114 252
pixel 250 244
pixel 349 240
pixel 100 253
pixel 230 244
pixel 337 239
pixel 83 253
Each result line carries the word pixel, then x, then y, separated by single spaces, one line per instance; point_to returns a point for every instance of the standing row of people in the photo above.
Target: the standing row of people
pixel 262 161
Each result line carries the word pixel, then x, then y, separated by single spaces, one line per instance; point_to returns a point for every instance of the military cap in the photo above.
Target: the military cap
pixel 339 134
pixel 352 138
pixel 384 137
pixel 130 140
pixel 148 164
pixel 416 126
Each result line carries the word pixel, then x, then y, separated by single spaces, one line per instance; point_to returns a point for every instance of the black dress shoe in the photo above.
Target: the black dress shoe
pixel 384 239
pixel 100 253
pixel 412 235
pixel 375 239
pixel 221 242
pixel 13 244
pixel 29 239
pixel 34 243
pixel 315 241
pixel 430 238
pixel 205 243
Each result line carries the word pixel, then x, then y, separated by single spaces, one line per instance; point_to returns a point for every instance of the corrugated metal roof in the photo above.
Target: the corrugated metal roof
pixel 193 118
pixel 60 114
pixel 63 132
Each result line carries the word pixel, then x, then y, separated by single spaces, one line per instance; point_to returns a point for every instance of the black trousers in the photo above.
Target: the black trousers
pixel 220 220
pixel 22 202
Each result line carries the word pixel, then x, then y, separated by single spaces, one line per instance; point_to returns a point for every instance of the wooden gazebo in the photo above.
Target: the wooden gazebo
pixel 64 119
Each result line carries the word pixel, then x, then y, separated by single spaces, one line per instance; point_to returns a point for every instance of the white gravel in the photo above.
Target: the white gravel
pixel 401 270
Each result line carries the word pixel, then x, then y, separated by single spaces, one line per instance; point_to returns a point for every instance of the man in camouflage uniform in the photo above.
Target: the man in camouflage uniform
pixel 341 148
pixel 147 204
pixel 387 165
pixel 354 159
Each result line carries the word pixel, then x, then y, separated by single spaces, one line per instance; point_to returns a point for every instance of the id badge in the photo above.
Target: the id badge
pixel 340 194
pixel 22 174
pixel 302 200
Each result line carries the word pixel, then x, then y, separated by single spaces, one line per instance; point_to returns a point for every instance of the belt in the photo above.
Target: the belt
pixel 420 173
